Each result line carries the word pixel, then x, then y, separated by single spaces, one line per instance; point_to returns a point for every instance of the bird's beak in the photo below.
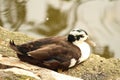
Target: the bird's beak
pixel 90 42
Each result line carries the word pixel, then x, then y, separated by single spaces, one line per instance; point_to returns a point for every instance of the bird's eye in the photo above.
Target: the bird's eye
pixel 81 36
pixel 78 37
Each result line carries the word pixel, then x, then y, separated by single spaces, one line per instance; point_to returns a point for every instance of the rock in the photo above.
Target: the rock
pixel 6 36
pixel 7 75
pixel 95 68
pixel 16 67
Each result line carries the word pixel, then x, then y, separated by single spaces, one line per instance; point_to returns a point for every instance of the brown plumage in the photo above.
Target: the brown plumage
pixel 53 52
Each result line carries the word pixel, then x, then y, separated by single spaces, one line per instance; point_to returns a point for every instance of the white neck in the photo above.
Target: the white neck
pixel 85 50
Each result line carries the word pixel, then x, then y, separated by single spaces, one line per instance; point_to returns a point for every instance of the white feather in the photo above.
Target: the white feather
pixel 72 62
pixel 85 50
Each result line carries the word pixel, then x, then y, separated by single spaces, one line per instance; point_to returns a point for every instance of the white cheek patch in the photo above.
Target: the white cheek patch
pixel 85 37
pixel 74 33
pixel 72 62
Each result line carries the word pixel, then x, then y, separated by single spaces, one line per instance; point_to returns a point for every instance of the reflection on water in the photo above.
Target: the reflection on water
pixel 56 21
pixel 103 52
pixel 49 18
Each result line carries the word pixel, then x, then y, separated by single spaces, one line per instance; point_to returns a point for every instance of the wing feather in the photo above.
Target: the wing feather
pixel 37 44
pixel 48 52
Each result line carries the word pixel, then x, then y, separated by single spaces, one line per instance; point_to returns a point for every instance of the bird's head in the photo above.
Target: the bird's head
pixel 79 36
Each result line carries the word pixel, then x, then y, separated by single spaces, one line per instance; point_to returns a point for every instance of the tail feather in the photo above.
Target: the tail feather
pixel 14 46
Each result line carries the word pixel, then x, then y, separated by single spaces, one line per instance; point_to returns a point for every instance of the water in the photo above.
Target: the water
pixel 43 18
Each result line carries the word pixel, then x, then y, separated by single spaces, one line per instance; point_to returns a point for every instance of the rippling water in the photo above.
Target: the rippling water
pixel 100 18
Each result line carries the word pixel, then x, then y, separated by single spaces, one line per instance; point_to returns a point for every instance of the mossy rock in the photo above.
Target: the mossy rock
pixel 11 76
pixel 6 36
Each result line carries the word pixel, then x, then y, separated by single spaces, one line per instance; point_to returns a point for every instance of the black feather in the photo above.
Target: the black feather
pixel 14 46
pixel 71 38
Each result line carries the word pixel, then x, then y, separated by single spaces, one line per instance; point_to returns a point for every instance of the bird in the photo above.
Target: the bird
pixel 56 52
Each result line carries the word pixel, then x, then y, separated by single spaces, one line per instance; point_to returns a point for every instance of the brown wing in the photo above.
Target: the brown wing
pixel 50 52
pixel 31 46
pixel 53 56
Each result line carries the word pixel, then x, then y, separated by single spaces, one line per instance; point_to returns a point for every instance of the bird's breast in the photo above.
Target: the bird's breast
pixel 85 51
